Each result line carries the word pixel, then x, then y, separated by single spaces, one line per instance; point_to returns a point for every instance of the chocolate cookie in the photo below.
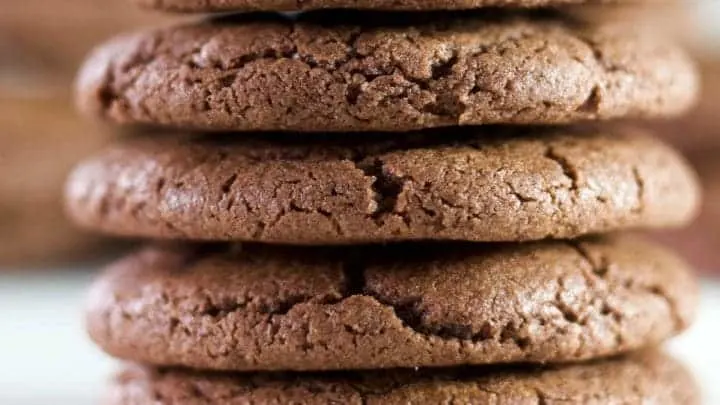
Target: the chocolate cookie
pixel 329 72
pixel 258 307
pixel 205 6
pixel 483 184
pixel 642 378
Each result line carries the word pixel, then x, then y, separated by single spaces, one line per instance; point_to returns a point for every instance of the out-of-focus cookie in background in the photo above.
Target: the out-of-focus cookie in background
pixel 61 36
pixel 697 134
pixel 41 136
pixel 700 242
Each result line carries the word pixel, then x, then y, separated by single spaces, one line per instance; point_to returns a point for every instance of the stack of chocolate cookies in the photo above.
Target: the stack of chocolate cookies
pixel 376 207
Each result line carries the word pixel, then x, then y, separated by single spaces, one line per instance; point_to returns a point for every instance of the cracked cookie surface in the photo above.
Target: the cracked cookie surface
pixel 648 377
pixel 205 6
pixel 327 72
pixel 478 184
pixel 258 307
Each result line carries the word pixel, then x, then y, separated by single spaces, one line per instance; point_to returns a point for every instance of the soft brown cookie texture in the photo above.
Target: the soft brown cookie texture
pixel 486 184
pixel 648 377
pixel 206 6
pixel 258 307
pixel 330 72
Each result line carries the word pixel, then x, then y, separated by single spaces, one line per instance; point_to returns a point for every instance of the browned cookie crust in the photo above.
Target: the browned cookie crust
pixel 483 184
pixel 642 378
pixel 330 72
pixel 205 6
pixel 272 308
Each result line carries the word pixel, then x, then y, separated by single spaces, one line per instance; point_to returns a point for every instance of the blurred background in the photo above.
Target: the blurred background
pixel 46 265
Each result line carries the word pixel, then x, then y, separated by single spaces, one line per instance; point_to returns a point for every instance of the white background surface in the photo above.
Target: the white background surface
pixel 45 357
pixel 707 14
